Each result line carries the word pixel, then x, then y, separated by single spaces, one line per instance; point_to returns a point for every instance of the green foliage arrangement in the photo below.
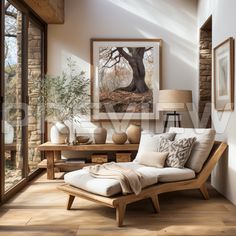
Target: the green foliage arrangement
pixel 65 97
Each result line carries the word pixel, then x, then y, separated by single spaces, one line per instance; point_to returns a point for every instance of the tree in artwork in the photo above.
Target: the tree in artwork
pixel 125 78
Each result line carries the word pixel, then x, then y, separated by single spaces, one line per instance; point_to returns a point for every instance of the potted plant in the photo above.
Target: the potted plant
pixel 63 98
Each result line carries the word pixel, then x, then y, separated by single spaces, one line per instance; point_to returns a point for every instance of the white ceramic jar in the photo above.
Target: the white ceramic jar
pixel 59 133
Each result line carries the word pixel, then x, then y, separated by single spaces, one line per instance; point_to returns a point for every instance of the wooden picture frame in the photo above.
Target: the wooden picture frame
pixel 224 75
pixel 125 79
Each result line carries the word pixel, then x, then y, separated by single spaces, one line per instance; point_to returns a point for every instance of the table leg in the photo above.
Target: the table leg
pixel 57 155
pixel 50 164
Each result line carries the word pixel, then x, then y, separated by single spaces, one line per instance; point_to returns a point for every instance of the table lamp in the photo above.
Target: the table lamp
pixel 174 101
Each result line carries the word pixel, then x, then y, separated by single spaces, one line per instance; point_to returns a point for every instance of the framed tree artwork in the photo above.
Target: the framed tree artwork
pixel 125 78
pixel 224 75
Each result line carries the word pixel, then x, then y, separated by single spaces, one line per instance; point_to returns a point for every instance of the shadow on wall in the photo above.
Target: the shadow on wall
pixel 221 167
pixel 171 20
pixel 128 19
pixel 223 172
pixel 177 30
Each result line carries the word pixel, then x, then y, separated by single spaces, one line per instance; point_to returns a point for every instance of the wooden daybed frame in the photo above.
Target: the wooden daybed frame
pixel 119 202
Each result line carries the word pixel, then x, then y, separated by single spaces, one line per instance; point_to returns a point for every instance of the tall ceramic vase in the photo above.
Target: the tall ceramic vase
pixel 100 135
pixel 59 133
pixel 134 133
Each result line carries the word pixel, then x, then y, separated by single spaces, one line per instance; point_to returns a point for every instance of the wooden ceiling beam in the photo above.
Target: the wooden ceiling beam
pixel 51 11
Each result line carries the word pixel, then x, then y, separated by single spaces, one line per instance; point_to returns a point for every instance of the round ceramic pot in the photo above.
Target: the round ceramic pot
pixel 8 133
pixel 119 138
pixel 59 133
pixel 133 133
pixel 100 135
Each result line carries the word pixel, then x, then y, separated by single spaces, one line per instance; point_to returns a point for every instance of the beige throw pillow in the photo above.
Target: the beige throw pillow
pixel 154 159
pixel 150 142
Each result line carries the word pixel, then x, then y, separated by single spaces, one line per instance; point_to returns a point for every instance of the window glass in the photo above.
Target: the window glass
pixel 13 113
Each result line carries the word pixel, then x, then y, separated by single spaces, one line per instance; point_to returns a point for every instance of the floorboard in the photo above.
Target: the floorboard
pixel 40 209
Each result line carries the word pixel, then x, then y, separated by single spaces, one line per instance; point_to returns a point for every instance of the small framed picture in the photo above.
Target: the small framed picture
pixel 224 75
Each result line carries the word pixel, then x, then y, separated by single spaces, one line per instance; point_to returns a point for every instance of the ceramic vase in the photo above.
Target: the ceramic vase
pixel 134 133
pixel 100 135
pixel 119 137
pixel 8 133
pixel 59 133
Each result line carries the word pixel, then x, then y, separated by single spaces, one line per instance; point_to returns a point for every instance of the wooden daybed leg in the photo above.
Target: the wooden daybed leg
pixel 70 202
pixel 204 191
pixel 120 213
pixel 155 203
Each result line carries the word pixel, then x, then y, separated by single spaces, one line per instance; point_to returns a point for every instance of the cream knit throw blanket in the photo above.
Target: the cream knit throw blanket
pixel 128 178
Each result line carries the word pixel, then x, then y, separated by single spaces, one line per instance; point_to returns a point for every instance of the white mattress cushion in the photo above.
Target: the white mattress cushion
pixel 170 174
pixel 109 187
pixel 201 149
pixel 82 179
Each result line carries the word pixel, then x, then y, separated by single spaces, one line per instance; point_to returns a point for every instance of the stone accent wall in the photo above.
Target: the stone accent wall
pixel 205 81
pixel 34 76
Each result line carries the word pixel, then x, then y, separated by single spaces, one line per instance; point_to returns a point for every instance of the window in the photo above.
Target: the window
pixel 22 68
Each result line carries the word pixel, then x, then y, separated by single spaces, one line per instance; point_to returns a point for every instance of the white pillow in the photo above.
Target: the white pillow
pixel 154 159
pixel 149 142
pixel 201 149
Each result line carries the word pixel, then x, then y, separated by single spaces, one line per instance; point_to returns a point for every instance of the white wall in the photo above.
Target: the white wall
pixel 174 21
pixel 223 19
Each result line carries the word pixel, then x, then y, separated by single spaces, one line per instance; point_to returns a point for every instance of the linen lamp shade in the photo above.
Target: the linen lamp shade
pixel 175 100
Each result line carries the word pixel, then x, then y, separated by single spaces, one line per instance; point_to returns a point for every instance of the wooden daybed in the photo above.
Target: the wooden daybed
pixel 119 202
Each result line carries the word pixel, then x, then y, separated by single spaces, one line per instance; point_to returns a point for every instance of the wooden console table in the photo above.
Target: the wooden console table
pixel 53 152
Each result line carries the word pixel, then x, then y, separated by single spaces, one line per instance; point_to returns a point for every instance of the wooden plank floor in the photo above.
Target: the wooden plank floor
pixel 40 210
